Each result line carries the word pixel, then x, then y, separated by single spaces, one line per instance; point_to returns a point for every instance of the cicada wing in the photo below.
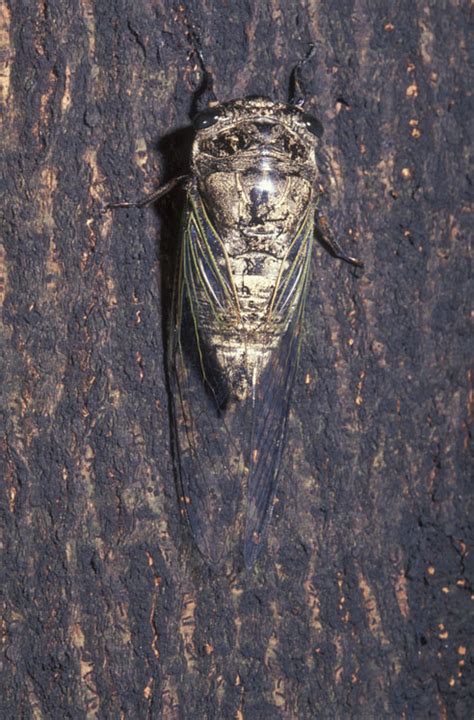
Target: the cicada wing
pixel 272 394
pixel 207 425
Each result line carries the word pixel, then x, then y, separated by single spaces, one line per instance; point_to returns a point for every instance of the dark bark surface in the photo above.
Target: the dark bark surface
pixel 359 606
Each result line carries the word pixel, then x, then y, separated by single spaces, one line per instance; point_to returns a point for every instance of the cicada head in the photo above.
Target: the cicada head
pixel 256 126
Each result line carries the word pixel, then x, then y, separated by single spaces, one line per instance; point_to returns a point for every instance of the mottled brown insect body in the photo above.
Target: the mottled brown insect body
pixel 255 176
pixel 239 303
pixel 245 260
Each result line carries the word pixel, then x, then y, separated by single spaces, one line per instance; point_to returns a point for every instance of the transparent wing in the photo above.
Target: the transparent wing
pixel 208 425
pixel 228 450
pixel 272 391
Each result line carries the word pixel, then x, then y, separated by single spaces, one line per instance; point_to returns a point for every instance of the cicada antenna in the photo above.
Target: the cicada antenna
pixel 204 94
pixel 297 90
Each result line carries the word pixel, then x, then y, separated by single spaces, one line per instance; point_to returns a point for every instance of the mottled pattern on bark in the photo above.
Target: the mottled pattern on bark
pixel 359 606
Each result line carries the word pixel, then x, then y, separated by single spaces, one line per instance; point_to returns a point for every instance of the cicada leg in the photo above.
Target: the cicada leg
pixel 324 230
pixel 297 91
pixel 149 199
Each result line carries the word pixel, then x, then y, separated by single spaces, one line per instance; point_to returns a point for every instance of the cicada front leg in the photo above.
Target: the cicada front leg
pixel 149 199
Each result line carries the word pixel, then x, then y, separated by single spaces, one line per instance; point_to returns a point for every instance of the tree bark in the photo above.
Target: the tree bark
pixel 358 606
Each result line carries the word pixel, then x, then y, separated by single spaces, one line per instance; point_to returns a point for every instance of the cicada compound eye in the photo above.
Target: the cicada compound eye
pixel 313 125
pixel 206 118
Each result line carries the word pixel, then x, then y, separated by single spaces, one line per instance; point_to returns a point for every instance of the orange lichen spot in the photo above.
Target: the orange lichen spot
pixel 413 122
pixel 77 636
pixel 67 95
pixel 451 682
pixel 139 361
pixel 350 342
pixel 440 626
pixel 208 648
pixel 342 106
pixel 416 133
pixel 401 593
pixel 187 626
pixel 462 650
pixel 185 500
pixel 431 570
pixel 407 233
pixel 445 589
pixel 412 91
pixel 372 610
pixel 461 582
pixel 406 173
pixel 255 455
pixel 359 400
pixel 389 27
pixel 443 635
pixel 307 379
pixel 11 498
pixel 410 67
pixel 147 690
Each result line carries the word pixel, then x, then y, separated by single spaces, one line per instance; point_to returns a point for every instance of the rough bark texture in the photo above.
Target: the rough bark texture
pixel 358 608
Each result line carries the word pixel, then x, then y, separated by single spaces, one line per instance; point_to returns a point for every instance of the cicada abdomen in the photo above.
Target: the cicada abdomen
pixel 243 277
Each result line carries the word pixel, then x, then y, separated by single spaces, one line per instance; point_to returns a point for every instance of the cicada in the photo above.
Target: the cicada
pixel 239 301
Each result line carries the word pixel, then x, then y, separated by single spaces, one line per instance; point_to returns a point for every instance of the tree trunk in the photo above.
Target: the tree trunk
pixel 357 608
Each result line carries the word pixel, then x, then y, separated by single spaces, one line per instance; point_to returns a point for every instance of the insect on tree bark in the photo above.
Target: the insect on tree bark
pixel 239 299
